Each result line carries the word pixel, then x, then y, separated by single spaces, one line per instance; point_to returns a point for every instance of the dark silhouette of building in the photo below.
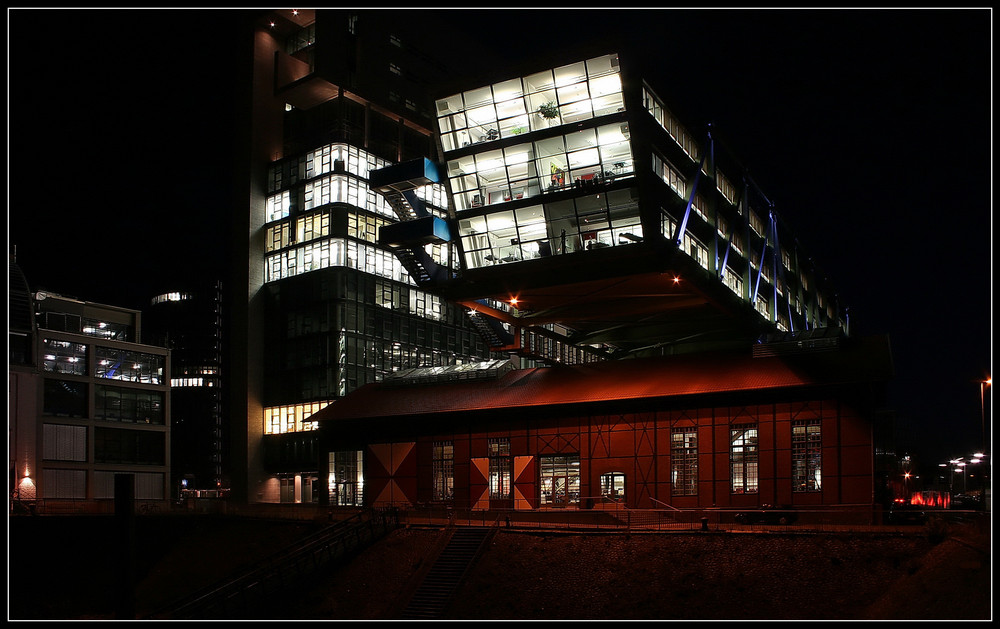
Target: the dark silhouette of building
pixel 189 323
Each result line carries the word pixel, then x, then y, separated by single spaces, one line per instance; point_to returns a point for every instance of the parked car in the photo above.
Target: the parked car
pixel 768 514
pixel 906 514
pixel 965 501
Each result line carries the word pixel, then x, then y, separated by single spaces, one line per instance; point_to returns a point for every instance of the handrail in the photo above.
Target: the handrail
pixel 665 505
pixel 272 571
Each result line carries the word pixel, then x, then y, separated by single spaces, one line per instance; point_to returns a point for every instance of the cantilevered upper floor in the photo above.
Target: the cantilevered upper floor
pixel 581 205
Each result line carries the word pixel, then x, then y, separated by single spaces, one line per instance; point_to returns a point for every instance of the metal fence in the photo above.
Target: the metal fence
pixel 243 595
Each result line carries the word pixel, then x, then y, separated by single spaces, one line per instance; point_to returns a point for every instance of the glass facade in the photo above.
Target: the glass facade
pixel 567 94
pixel 574 160
pixel 583 223
pixel 346 480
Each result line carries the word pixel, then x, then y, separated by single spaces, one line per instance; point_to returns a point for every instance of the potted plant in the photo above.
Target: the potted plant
pixel 548 110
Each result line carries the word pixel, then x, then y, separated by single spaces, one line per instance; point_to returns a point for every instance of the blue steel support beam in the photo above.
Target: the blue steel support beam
pixel 679 235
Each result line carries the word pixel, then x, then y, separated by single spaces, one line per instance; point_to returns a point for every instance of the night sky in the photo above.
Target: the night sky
pixel 870 130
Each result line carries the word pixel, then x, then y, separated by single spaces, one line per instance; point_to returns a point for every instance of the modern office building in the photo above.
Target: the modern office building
pixel 86 402
pixel 327 308
pixel 561 209
pixel 189 322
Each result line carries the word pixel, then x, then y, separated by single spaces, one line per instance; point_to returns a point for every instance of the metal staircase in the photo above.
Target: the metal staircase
pixel 436 591
pixel 491 329
pixel 417 227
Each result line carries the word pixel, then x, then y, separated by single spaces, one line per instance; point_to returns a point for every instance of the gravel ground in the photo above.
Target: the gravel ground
pixel 561 576
pixel 534 575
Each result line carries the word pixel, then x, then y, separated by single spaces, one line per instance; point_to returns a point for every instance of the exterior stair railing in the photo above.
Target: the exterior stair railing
pixel 439 585
pixel 244 594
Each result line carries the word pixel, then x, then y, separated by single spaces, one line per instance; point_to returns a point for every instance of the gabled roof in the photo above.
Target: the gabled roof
pixel 864 361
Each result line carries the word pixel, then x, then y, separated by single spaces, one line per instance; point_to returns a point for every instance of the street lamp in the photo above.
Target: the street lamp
pixel 982 405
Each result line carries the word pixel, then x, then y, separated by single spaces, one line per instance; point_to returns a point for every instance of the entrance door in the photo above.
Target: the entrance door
pixel 559 480
pixel 560 491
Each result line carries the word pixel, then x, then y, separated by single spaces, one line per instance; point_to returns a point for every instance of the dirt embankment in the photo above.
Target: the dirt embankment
pixel 530 575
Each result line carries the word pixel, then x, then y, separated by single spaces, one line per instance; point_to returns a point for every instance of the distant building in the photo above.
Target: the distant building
pixel 189 323
pixel 87 403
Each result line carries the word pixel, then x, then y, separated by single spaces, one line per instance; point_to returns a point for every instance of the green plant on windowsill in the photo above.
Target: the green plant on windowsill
pixel 548 110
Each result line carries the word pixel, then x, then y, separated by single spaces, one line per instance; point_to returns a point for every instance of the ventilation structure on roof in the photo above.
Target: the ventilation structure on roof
pixel 488 370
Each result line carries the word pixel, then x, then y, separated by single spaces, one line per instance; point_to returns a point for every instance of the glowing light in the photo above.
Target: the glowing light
pixel 513 301
pixel 295 11
pixel 677 280
pixel 936 499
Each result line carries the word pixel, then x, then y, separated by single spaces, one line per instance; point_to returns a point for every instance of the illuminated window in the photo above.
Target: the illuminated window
pixel 695 249
pixel 364 227
pixel 743 459
pixel 670 175
pixel 559 480
pixel 572 93
pixel 587 222
pixel 613 486
pixel 277 206
pixel 115 331
pixel 119 364
pixel 807 459
pixel 64 357
pixel 346 481
pixel 762 305
pixel 443 470
pixel 292 418
pixel 684 461
pixel 733 281
pixel 670 124
pixel 526 170
pixel 501 468
pixel 165 297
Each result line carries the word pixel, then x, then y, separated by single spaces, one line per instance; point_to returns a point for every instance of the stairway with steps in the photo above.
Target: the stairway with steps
pixel 434 594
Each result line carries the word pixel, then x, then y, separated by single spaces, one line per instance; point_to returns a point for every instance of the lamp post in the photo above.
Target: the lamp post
pixel 982 406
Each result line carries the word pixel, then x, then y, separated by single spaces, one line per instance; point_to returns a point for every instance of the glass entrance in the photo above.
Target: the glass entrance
pixel 559 480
